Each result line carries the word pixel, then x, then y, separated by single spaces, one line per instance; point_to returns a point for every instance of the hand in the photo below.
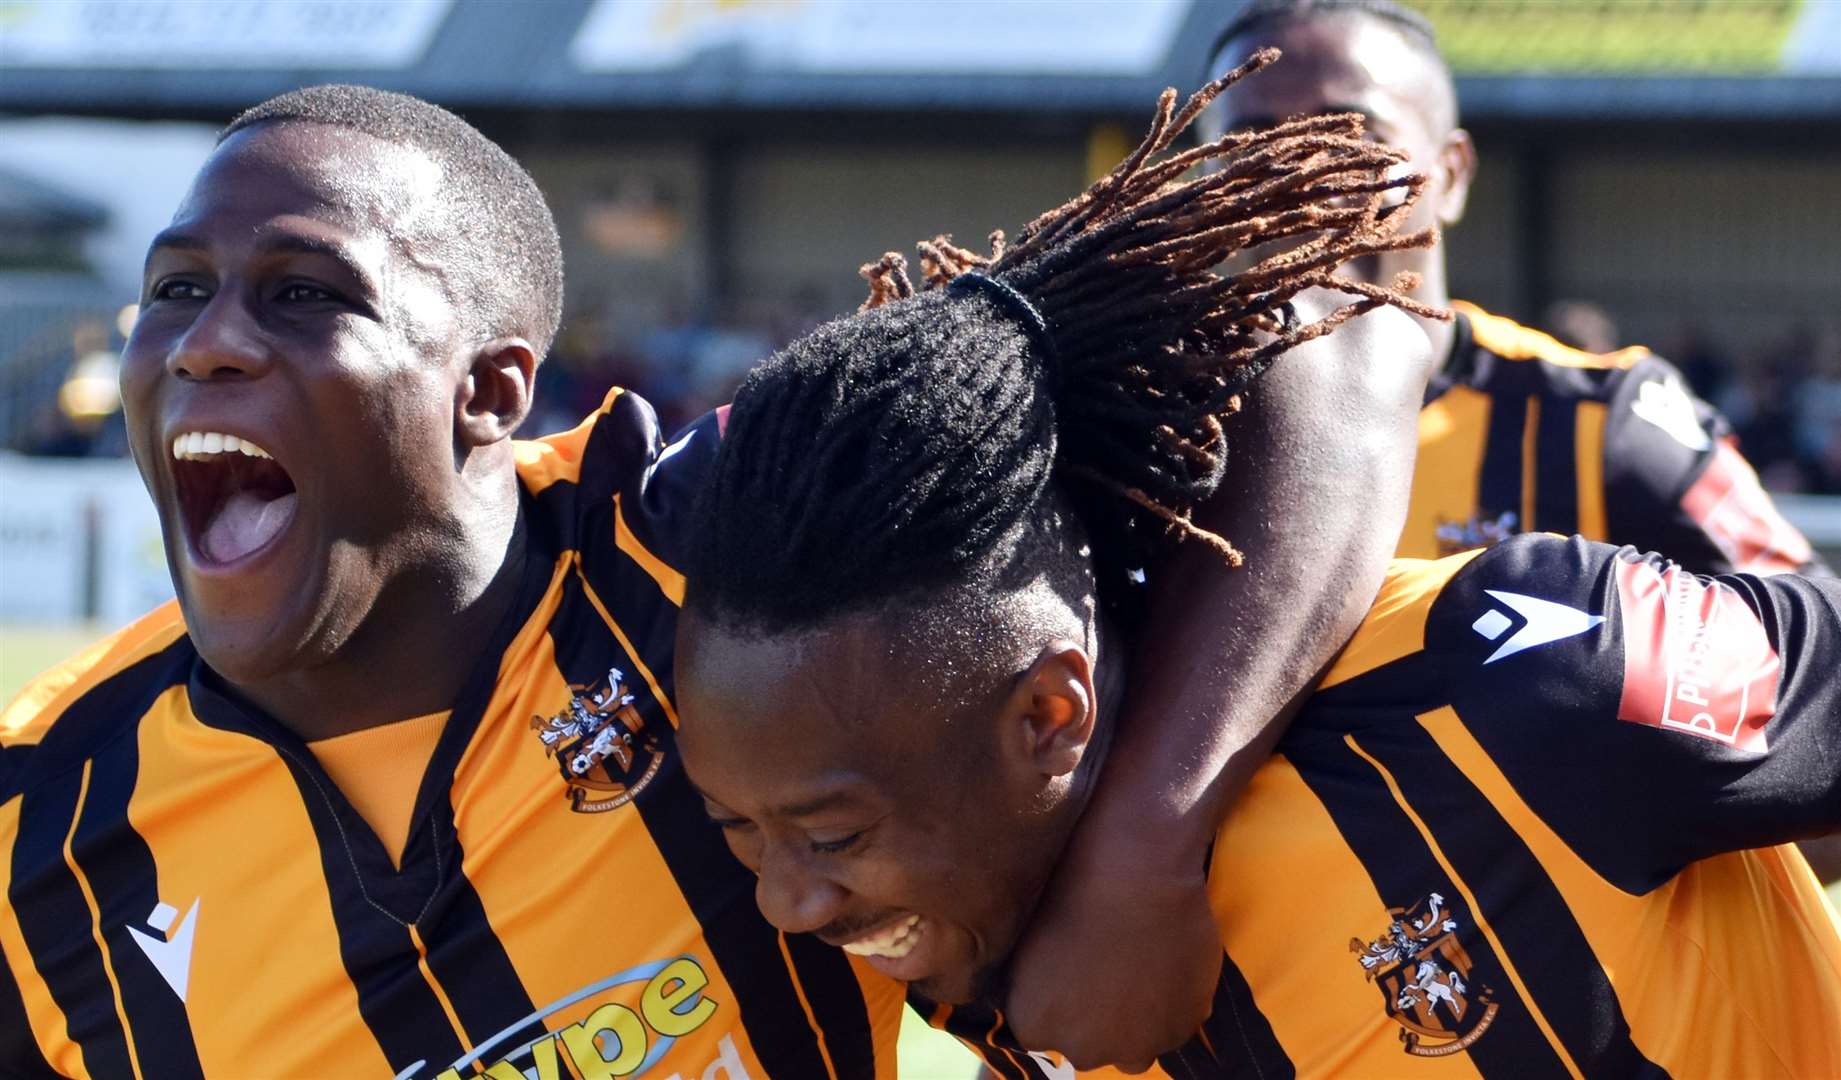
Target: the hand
pixel 1116 967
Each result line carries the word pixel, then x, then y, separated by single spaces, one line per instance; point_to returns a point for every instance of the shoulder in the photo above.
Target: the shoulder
pixel 1475 617
pixel 600 471
pixel 1524 360
pixel 1508 339
pixel 71 695
pixel 1396 623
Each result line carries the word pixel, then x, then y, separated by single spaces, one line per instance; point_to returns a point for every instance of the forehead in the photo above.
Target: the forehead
pixel 1331 61
pixel 315 172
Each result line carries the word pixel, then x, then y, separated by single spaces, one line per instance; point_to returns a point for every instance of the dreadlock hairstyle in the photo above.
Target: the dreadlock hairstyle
pixel 903 448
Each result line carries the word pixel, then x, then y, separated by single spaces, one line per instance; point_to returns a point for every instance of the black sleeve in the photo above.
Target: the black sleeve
pixel 1650 716
pixel 1676 483
pixel 657 504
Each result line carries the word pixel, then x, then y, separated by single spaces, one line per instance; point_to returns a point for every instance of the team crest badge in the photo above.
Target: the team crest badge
pixel 601 744
pixel 1424 976
pixel 1477 532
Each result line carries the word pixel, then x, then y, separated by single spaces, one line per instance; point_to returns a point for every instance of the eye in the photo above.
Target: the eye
pixel 838 846
pixel 298 292
pixel 179 289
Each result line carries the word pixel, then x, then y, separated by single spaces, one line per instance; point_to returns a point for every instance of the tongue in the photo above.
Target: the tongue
pixel 246 522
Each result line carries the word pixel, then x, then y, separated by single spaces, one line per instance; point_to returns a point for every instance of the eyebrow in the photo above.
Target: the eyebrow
pixel 798 809
pixel 812 805
pixel 287 243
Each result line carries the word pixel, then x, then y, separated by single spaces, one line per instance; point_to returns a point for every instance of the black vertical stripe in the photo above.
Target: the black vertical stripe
pixel 53 915
pixel 121 873
pixel 836 998
pixel 1525 908
pixel 980 1028
pixel 469 960
pixel 396 1002
pixel 1499 478
pixel 1404 872
pixel 1244 1044
pixel 19 1050
pixel 54 919
pixel 1556 473
pixel 718 889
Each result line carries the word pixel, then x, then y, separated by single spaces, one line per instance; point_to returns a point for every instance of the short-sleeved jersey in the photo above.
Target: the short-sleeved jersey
pixel 1505 838
pixel 187 894
pixel 1521 433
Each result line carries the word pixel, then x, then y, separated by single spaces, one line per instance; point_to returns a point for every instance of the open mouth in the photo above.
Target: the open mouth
pixel 234 497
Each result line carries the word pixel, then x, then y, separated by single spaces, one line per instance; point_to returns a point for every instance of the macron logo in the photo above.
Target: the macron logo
pixel 1546 621
pixel 171 954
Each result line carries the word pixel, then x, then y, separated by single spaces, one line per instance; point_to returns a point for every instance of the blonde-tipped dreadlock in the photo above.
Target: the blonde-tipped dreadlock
pixel 1102 348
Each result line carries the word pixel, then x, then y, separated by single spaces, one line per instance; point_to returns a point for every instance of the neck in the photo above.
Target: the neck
pixel 1433 290
pixel 423 639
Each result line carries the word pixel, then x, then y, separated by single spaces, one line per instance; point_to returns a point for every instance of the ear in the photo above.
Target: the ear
pixel 1051 712
pixel 495 396
pixel 1457 166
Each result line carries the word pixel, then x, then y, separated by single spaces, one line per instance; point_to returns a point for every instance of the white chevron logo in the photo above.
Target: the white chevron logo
pixel 1546 622
pixel 171 956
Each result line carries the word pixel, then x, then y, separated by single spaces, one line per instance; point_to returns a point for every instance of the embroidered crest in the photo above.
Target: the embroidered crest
pixel 1424 976
pixel 601 745
pixel 1479 531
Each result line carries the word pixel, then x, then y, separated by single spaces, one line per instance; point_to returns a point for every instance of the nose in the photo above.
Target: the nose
pixel 222 343
pixel 794 898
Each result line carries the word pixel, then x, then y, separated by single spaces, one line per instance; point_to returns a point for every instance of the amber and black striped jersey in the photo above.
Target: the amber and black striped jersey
pixel 187 894
pixel 1521 433
pixel 1506 838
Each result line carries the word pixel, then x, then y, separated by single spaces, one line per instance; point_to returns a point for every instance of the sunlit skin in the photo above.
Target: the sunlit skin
pixel 861 797
pixel 301 301
pixel 1344 62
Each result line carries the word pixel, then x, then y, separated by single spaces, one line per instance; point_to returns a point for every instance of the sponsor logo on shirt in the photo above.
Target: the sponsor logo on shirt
pixel 617 1038
pixel 1423 972
pixel 1732 508
pixel 1543 621
pixel 1665 403
pixel 1696 658
pixel 601 745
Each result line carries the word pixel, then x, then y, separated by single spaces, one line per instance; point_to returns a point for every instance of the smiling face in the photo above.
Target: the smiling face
pixel 903 807
pixel 290 392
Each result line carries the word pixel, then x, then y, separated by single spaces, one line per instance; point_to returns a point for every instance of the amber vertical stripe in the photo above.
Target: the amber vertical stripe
pixel 1470 900
pixel 89 897
pixel 1588 450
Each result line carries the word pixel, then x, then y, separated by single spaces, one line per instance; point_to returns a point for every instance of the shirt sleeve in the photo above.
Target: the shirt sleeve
pixel 1649 715
pixel 1676 483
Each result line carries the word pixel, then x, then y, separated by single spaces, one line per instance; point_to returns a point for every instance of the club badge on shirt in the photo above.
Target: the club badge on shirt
pixel 601 745
pixel 1423 972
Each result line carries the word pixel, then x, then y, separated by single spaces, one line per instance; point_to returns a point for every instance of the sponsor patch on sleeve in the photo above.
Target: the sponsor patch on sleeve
pixel 1696 658
pixel 1729 504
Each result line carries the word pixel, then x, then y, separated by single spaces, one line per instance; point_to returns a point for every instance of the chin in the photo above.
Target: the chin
pixel 980 985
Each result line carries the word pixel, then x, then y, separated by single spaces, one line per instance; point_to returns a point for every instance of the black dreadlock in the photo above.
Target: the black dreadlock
pixel 900 449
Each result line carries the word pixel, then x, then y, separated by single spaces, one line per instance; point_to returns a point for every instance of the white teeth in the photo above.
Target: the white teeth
pixel 895 941
pixel 199 444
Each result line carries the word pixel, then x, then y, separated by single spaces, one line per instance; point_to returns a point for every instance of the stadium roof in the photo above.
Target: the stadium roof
pixel 1556 59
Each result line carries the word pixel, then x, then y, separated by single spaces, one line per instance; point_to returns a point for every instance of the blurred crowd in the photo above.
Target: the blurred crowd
pixel 1783 396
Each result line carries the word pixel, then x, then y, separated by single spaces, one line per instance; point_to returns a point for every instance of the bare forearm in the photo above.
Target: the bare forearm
pixel 1317 489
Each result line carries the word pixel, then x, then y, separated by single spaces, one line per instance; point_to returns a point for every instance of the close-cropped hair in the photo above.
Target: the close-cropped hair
pixel 1090 363
pixel 1415 28
pixel 498 220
